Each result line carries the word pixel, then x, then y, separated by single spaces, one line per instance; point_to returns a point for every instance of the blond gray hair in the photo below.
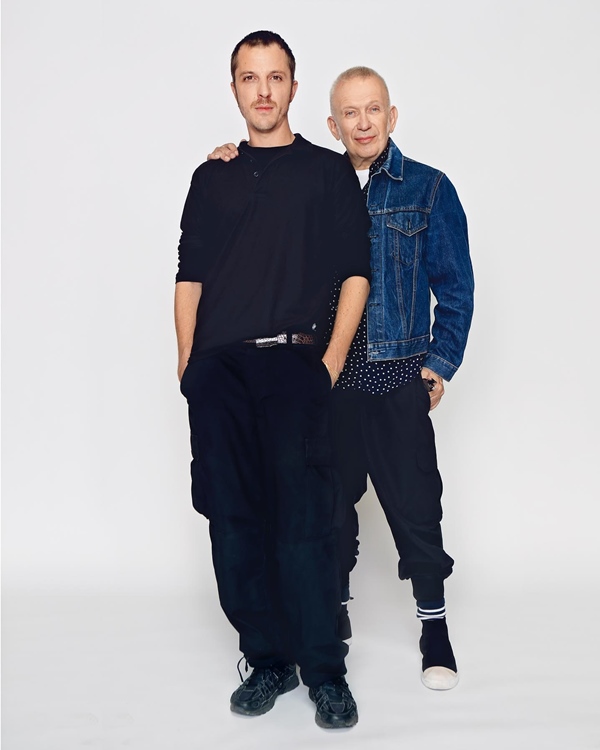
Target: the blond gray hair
pixel 358 71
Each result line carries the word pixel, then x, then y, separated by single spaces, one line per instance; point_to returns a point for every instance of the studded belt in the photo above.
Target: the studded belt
pixel 283 338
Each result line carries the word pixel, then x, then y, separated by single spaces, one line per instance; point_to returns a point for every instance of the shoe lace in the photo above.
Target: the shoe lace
pixel 333 691
pixel 238 667
pixel 264 680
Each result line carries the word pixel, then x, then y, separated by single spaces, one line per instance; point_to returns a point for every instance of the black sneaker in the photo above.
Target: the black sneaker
pixel 336 708
pixel 257 694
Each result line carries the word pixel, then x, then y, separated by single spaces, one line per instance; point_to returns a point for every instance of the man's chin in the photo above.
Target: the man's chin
pixel 263 127
pixel 365 152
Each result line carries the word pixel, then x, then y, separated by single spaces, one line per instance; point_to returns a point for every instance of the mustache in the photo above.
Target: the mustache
pixel 263 103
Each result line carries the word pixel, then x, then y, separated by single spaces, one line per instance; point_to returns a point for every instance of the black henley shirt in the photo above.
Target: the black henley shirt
pixel 266 237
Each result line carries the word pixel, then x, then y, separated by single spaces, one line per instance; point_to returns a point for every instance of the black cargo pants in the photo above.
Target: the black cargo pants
pixel 389 437
pixel 262 475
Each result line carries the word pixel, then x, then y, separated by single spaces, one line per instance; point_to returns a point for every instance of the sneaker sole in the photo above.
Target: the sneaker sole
pixel 336 723
pixel 290 684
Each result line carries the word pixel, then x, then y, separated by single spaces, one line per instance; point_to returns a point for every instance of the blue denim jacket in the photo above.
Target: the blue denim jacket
pixel 419 246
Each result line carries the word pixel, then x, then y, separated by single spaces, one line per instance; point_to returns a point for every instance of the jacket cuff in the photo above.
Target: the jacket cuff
pixel 443 368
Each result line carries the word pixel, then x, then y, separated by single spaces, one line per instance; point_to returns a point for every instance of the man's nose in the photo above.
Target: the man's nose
pixel 363 121
pixel 264 89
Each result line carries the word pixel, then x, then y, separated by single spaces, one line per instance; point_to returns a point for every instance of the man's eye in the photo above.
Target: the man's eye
pixel 351 113
pixel 277 78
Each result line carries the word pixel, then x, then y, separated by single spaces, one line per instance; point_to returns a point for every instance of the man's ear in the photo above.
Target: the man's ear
pixel 233 90
pixel 393 118
pixel 294 89
pixel 333 128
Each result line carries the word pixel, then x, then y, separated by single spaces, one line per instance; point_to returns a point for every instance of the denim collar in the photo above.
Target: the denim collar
pixel 394 164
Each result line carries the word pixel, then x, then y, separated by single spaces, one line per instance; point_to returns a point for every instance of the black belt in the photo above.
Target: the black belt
pixel 283 338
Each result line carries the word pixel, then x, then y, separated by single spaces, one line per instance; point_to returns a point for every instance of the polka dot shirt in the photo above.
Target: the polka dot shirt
pixel 359 374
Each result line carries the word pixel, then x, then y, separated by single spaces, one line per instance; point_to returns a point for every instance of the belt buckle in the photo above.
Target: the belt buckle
pixel 281 338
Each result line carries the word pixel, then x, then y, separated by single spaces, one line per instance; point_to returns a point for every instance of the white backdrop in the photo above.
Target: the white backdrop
pixel 108 108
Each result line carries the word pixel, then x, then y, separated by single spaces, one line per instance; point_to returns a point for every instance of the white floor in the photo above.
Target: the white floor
pixel 156 673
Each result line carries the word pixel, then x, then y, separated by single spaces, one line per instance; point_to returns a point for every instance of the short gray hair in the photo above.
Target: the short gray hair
pixel 358 71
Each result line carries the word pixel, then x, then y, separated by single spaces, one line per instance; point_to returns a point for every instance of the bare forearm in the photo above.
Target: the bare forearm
pixel 187 297
pixel 353 297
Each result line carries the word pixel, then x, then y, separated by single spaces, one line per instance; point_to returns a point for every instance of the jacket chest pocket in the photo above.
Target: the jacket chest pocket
pixel 404 231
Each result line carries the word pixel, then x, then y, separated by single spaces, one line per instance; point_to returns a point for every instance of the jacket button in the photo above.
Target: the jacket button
pixel 256 174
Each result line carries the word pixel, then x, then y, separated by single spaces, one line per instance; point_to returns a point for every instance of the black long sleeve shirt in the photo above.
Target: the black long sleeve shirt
pixel 266 236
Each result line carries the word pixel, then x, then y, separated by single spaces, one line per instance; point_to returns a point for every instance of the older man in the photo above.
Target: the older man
pixel 395 370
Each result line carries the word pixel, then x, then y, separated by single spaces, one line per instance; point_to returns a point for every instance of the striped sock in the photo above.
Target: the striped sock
pixel 431 610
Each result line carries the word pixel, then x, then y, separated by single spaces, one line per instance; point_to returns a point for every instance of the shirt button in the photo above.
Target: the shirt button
pixel 256 174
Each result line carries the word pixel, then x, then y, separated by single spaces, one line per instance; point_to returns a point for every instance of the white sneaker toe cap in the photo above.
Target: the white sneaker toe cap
pixel 439 678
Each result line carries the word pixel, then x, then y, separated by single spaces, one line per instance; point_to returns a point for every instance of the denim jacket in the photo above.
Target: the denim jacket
pixel 419 246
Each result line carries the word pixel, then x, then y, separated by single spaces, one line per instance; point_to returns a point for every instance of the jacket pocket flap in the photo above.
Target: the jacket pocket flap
pixel 407 222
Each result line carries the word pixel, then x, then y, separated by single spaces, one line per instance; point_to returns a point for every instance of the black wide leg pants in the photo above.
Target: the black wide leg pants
pixel 262 475
pixel 390 438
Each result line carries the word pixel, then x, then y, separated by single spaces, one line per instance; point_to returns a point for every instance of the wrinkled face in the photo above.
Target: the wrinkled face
pixel 263 88
pixel 362 119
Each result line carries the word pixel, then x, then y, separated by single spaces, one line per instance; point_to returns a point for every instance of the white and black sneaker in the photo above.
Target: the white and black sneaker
pixel 439 665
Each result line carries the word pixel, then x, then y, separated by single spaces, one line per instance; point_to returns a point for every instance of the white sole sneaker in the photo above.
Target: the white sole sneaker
pixel 439 678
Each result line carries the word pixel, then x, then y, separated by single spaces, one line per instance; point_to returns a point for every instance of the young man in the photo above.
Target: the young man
pixel 261 242
pixel 395 371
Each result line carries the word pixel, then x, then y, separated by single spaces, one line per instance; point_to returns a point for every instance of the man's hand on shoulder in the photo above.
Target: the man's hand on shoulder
pixel 436 393
pixel 226 152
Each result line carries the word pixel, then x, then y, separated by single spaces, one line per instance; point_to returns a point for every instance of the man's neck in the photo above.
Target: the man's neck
pixel 283 136
pixel 361 164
